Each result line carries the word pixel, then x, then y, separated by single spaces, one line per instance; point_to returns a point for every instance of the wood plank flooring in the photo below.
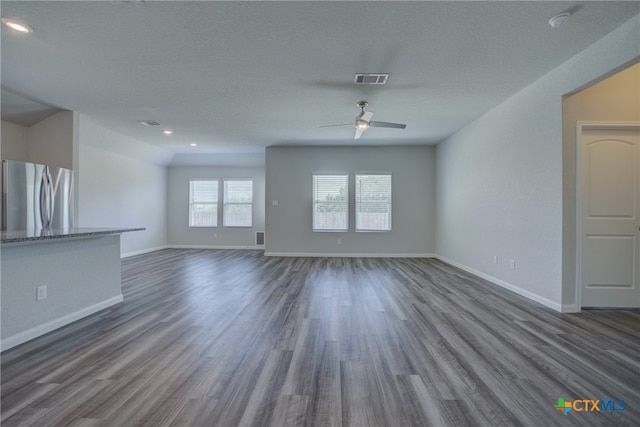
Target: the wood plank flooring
pixel 233 338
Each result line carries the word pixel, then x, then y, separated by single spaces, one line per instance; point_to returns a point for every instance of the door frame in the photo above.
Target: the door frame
pixel 582 126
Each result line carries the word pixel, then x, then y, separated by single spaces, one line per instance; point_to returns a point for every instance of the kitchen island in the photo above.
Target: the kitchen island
pixel 50 278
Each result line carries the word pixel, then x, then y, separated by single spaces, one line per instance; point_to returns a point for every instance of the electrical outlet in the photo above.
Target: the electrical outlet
pixel 512 264
pixel 339 241
pixel 41 292
pixel 215 235
pixel 495 259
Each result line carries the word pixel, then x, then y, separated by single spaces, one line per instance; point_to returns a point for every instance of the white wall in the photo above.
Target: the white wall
pixel 13 145
pixel 180 235
pixel 499 180
pixel 118 190
pixel 289 173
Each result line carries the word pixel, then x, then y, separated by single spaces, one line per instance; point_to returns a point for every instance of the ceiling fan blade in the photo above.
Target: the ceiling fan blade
pixel 331 126
pixel 359 133
pixel 387 125
pixel 367 116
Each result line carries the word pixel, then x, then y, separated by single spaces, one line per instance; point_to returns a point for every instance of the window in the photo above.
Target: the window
pixel 373 202
pixel 203 203
pixel 330 203
pixel 238 203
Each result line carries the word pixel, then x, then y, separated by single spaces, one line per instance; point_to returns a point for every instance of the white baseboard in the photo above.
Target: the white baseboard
pixel 213 247
pixel 513 288
pixel 346 255
pixel 142 251
pixel 571 308
pixel 39 330
pixel 159 248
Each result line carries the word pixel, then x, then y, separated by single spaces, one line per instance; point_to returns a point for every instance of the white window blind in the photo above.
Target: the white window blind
pixel 330 203
pixel 203 203
pixel 238 203
pixel 373 202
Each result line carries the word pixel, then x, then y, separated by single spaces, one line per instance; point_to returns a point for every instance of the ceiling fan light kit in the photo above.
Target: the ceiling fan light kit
pixel 361 124
pixel 363 121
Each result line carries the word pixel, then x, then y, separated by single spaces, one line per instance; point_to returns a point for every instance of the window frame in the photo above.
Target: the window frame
pixel 315 201
pixel 214 203
pixel 226 204
pixel 358 202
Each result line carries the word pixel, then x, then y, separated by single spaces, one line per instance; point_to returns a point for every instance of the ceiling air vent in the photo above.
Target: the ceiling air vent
pixel 370 79
pixel 149 122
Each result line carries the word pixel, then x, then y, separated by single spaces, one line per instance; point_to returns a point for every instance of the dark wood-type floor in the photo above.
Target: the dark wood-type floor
pixel 227 338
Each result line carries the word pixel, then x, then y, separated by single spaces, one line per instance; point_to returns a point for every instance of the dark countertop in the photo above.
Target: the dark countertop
pixel 23 236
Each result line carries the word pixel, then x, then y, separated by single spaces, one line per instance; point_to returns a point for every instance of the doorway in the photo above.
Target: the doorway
pixel 608 214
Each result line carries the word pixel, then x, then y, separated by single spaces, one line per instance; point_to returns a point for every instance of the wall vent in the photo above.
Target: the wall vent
pixel 370 79
pixel 259 238
pixel 149 122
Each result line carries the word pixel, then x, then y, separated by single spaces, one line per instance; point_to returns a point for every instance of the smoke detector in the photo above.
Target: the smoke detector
pixel 559 19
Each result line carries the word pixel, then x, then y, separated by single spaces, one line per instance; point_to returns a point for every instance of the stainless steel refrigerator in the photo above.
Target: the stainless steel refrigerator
pixel 36 197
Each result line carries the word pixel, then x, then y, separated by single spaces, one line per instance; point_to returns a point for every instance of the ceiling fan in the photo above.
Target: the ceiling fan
pixel 363 121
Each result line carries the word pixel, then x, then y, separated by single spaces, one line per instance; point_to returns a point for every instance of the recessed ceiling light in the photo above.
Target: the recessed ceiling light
pixel 167 132
pixel 17 26
pixel 193 144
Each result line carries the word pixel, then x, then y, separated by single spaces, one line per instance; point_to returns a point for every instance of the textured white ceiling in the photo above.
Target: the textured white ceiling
pixel 239 76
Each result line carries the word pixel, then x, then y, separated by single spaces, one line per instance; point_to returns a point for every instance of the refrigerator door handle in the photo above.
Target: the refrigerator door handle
pixel 46 198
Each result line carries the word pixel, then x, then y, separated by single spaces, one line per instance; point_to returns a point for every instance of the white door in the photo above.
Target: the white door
pixel 609 210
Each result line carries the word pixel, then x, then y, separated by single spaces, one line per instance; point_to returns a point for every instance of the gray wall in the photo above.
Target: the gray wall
pixel 179 232
pixel 51 141
pixel 289 173
pixel 14 142
pixel 48 142
pixel 91 285
pixel 121 183
pixel 500 179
